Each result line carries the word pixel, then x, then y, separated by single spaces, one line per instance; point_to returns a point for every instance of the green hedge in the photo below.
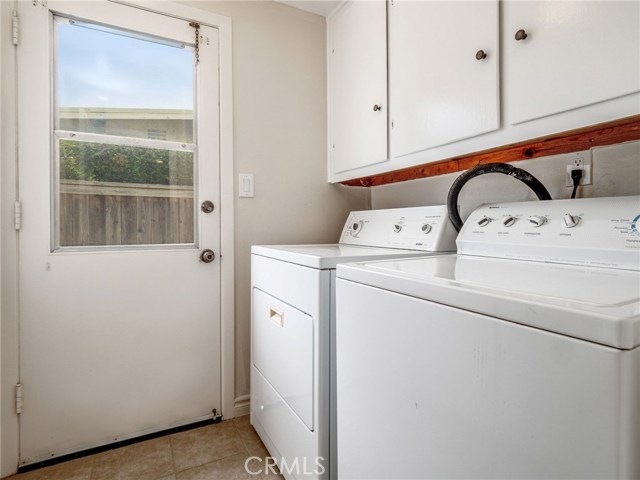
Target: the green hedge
pixel 99 162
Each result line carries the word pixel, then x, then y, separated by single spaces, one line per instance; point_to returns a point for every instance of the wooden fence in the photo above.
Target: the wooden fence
pixel 100 213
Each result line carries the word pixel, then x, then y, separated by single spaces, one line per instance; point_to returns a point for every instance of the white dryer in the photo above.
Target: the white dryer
pixel 517 358
pixel 292 317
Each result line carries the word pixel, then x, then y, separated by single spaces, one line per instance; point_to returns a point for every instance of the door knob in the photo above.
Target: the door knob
pixel 207 206
pixel 207 256
pixel 377 108
pixel 521 35
pixel 481 55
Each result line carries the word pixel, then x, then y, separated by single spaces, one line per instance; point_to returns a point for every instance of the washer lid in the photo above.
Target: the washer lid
pixel 328 256
pixel 594 304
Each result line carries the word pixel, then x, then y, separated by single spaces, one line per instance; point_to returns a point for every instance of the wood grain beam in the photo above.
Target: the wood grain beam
pixel 609 133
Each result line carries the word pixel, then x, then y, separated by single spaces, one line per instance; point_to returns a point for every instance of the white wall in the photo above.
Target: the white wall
pixel 616 172
pixel 279 95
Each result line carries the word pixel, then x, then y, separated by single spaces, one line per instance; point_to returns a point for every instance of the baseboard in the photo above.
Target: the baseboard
pixel 241 406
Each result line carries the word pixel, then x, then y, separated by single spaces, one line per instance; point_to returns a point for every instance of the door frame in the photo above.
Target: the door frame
pixel 9 251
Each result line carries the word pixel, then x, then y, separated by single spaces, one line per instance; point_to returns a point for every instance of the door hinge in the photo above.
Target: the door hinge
pixel 17 215
pixel 19 398
pixel 14 28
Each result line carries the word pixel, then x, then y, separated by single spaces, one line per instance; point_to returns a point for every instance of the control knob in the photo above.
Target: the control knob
pixel 484 221
pixel 570 221
pixel 356 228
pixel 509 221
pixel 537 220
pixel 426 228
pixel 397 228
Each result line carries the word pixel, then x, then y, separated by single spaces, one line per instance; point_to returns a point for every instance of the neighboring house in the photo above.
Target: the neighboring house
pixel 156 124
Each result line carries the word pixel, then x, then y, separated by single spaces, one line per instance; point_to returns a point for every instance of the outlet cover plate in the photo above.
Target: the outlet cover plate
pixel 580 160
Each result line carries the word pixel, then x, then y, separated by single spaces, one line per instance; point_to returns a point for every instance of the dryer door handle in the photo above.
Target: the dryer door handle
pixel 276 316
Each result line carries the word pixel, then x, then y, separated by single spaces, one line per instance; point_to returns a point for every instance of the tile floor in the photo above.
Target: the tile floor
pixel 214 452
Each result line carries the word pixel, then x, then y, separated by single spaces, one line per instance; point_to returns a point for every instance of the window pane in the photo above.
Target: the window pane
pixel 124 195
pixel 119 83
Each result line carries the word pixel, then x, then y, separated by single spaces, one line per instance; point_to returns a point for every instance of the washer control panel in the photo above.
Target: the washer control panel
pixel 600 232
pixel 412 228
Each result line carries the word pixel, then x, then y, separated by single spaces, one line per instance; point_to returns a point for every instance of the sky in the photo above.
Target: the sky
pixel 100 69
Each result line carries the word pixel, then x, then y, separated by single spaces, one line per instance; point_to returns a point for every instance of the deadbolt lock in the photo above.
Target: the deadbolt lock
pixel 207 206
pixel 207 256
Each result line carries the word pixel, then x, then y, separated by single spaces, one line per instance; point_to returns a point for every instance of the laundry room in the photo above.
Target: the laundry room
pixel 319 239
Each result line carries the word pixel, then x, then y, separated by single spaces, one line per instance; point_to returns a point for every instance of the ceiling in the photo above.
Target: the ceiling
pixel 320 7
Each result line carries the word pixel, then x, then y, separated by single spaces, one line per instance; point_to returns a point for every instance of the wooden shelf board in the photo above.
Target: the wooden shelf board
pixel 609 133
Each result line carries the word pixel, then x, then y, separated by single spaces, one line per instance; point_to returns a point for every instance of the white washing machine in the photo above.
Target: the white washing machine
pixel 517 358
pixel 292 328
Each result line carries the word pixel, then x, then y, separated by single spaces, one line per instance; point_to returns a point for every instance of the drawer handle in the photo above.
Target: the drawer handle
pixel 276 316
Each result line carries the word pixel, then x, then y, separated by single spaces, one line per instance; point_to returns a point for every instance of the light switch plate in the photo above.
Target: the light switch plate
pixel 245 185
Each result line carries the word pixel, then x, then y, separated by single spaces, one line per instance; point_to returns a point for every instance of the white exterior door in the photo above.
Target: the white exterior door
pixel 118 150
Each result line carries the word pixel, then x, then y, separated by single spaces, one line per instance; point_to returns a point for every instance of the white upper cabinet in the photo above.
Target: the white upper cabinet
pixel 459 82
pixel 443 72
pixel 357 78
pixel 575 53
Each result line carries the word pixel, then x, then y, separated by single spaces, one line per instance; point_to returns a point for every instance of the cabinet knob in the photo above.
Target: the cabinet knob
pixel 481 55
pixel 521 35
pixel 377 108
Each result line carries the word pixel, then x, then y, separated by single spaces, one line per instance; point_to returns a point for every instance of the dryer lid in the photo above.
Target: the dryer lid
pixel 375 234
pixel 326 257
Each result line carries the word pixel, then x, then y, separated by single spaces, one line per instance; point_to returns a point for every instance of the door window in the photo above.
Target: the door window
pixel 124 138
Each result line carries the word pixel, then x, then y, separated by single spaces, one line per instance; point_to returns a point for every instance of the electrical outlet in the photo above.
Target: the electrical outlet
pixel 579 161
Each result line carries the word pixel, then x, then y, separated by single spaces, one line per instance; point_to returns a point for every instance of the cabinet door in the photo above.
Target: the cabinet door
pixel 576 53
pixel 357 85
pixel 439 91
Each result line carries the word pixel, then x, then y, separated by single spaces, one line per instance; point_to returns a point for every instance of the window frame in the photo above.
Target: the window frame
pixel 57 134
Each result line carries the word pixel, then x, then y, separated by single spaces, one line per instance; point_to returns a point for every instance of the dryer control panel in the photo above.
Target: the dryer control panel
pixel 413 228
pixel 600 232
